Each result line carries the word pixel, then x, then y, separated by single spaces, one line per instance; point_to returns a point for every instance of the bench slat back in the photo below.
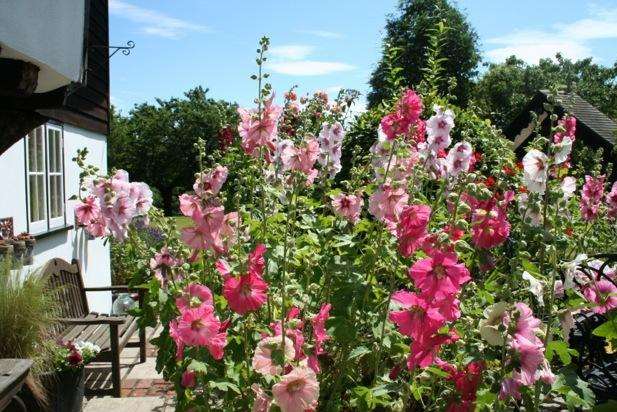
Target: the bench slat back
pixel 67 286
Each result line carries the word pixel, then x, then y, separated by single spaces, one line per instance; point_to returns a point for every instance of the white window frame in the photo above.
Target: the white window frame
pixel 48 223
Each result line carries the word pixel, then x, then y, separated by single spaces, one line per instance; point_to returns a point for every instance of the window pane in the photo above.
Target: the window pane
pixel 40 151
pixel 37 198
pixel 51 145
pixel 56 201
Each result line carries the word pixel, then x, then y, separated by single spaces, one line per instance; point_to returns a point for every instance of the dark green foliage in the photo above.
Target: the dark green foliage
pixel 410 30
pixel 506 88
pixel 156 143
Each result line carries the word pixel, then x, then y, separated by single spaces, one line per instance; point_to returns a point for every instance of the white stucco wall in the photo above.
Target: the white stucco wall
pixel 68 244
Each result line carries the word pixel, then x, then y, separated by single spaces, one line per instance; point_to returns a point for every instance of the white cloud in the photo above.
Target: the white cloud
pixel 333 90
pixel 322 33
pixel 309 67
pixel 152 22
pixel 570 39
pixel 291 51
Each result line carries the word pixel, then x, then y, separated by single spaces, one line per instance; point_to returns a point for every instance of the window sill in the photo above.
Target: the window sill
pixel 53 231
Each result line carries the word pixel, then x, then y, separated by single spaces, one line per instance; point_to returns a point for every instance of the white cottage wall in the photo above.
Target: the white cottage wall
pixel 66 244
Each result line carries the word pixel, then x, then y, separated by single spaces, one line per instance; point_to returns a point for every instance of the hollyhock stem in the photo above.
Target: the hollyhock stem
pixel 384 319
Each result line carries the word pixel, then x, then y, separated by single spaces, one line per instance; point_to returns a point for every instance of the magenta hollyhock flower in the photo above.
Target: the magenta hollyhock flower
pixel 411 228
pixel 175 335
pixel 193 296
pixel 257 263
pixel 417 317
pixel 424 349
pixel 410 106
pixel 526 325
pixel 88 210
pixel 209 184
pixel 490 228
pixel 188 379
pixel 200 327
pixel 347 206
pixel 591 196
pixel 439 275
pixel 393 125
pixel 603 293
pixel 297 391
pixel 569 124
pixel 265 359
pixel 245 293
pixel 611 201
pixel 320 335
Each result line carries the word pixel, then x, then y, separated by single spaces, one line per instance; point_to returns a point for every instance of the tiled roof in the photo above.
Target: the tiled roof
pixel 586 113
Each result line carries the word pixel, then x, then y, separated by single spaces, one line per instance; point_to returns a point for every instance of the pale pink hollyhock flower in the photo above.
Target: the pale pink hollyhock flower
pixel 441 123
pixel 510 388
pixel 256 131
pixel 568 187
pixel 193 296
pixel 297 391
pixel 200 327
pixel 87 210
pixel 188 379
pixel 527 325
pixel 611 201
pixel 96 227
pixel 162 262
pixel 263 361
pixel 246 293
pixel 262 400
pixel 545 374
pixel 530 355
pixel 201 238
pixel 559 289
pixel 209 184
pixel 459 158
pixel 535 171
pixel 190 205
pixel 412 228
pixel 387 203
pixel 603 293
pixel 439 275
pixel 347 206
pixel 123 209
pixel 320 334
pixel 142 195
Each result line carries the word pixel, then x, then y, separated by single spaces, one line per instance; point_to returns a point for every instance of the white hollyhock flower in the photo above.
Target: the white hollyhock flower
pixel 535 171
pixel 568 186
pixel 535 287
pixel 562 150
pixel 489 327
pixel 459 158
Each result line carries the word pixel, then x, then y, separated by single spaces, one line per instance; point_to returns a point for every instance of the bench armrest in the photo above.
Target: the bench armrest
pixel 105 320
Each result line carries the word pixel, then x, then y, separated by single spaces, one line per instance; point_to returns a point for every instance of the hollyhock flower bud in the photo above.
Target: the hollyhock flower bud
pixel 188 379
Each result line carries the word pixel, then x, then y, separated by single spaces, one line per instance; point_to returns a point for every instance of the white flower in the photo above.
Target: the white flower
pixel 441 123
pixel 489 327
pixel 567 323
pixel 571 272
pixel 568 186
pixel 529 212
pixel 535 171
pixel 459 158
pixel 562 150
pixel 535 287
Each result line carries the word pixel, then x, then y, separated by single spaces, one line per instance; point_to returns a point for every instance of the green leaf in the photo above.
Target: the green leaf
pixel 561 349
pixel 530 267
pixel 358 352
pixel 607 330
pixel 609 406
pixel 224 386
pixel 197 366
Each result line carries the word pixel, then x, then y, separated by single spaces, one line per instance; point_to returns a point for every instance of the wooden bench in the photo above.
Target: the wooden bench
pixel 77 323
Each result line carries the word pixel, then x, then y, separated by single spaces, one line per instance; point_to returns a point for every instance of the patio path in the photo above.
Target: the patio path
pixel 143 389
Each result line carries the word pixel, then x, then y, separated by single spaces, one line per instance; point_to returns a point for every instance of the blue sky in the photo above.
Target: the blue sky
pixel 319 44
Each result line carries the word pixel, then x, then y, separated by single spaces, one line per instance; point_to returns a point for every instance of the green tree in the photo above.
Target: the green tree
pixel 505 88
pixel 156 143
pixel 410 31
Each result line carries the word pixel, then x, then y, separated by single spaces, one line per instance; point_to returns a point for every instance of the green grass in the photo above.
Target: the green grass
pixel 182 221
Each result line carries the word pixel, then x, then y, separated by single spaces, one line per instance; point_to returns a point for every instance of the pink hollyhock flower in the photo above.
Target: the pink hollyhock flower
pixel 611 201
pixel 188 379
pixel 393 125
pixel 530 355
pixel 459 158
pixel 200 238
pixel 259 131
pixel 264 359
pixel 545 374
pixel 526 325
pixel 439 276
pixel 569 124
pixel 142 196
pixel 297 391
pixel 603 293
pixel 417 317
pixel 490 228
pixel 123 209
pixel 162 262
pixel 411 229
pixel 440 124
pixel 212 218
pixel 209 184
pixel 387 203
pixel 193 296
pixel 510 388
pixel 262 400
pixel 88 210
pixel 257 263
pixel 200 327
pixel 175 335
pixel 320 334
pixel 245 293
pixel 535 171
pixel 347 206
pixel 190 206
pixel 410 106
pixel 591 196
pixel 96 227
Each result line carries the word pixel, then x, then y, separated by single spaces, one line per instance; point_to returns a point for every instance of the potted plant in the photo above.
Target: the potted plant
pixel 65 385
pixel 30 241
pixel 6 249
pixel 19 249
